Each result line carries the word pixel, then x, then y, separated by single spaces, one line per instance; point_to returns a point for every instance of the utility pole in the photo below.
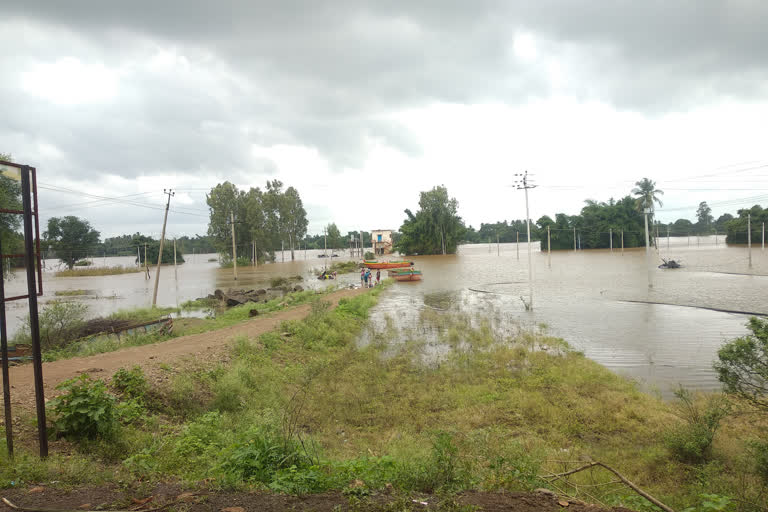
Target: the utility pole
pixel 749 238
pixel 574 238
pixel 498 247
pixel 517 244
pixel 325 248
pixel 549 249
pixel 362 254
pixel 170 193
pixel 646 211
pixel 667 241
pixel 610 238
pixel 622 242
pixel 146 263
pixel 523 184
pixel 282 250
pixel 762 248
pixel 175 272
pixel 234 247
pixel 138 256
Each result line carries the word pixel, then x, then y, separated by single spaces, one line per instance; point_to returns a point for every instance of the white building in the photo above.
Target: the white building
pixel 381 241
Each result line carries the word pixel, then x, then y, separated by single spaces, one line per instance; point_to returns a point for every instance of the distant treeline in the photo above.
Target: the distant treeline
pixel 597 220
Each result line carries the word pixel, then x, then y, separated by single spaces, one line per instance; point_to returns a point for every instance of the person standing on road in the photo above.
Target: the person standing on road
pixel 365 278
pixel 378 276
pixel 362 276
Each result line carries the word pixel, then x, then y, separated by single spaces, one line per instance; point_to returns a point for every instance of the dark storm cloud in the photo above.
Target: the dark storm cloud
pixel 326 74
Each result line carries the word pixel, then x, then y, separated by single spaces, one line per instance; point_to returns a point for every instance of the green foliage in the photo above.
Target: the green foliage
pixel 131 383
pixel 60 322
pixel 260 455
pixel 737 228
pixel 711 503
pixel 70 237
pixel 369 255
pixel 436 228
pixel 242 261
pixel 153 250
pixel 10 223
pixel 265 217
pixel 758 450
pixel 742 364
pixel 333 236
pixel 692 441
pixel 85 411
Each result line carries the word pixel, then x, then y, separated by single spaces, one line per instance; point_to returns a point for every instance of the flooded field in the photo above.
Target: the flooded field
pixel 598 301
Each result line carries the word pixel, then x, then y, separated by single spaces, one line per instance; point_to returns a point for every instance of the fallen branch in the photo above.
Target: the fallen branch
pixel 23 509
pixel 621 477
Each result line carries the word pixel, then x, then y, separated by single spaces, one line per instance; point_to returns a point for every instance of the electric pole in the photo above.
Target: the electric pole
pixel 646 211
pixel 234 248
pixel 524 185
pixel 170 193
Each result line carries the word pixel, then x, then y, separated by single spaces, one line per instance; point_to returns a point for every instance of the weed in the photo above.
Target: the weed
pixel 692 441
pixel 85 411
pixel 98 271
pixel 70 293
pixel 59 321
pixel 131 383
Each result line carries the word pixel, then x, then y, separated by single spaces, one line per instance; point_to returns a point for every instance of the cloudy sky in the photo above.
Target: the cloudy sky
pixel 361 105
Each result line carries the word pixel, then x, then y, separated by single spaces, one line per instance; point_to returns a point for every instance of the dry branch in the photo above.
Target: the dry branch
pixel 621 477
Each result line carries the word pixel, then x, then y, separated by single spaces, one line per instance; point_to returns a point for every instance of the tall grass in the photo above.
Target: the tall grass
pixel 98 271
pixel 304 409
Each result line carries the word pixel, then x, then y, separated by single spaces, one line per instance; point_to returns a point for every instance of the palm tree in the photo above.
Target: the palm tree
pixel 647 194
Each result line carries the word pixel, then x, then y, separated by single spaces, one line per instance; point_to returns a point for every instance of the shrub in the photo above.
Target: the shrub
pixel 759 453
pixel 742 364
pixel 86 410
pixel 131 383
pixel 261 455
pixel 59 322
pixel 369 255
pixel 692 441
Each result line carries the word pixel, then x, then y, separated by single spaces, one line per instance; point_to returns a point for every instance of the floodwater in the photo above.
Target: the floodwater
pixel 598 301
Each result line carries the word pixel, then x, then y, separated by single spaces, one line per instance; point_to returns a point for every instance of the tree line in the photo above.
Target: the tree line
pixel 271 219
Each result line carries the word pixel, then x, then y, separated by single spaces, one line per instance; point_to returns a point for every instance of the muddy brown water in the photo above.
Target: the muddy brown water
pixel 597 300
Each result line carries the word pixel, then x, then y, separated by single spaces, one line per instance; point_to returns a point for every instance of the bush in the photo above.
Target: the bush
pixel 86 410
pixel 261 455
pixel 131 383
pixel 759 453
pixel 691 442
pixel 60 322
pixel 742 364
pixel 369 255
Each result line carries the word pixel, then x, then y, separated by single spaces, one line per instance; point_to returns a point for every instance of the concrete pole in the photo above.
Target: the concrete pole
pixel 138 256
pixel 622 242
pixel 362 254
pixel 530 258
pixel 498 247
pixel 146 264
pixel 549 249
pixel 234 248
pixel 610 238
pixel 574 238
pixel 715 237
pixel 647 250
pixel 517 244
pixel 667 241
pixel 325 249
pixel 175 271
pixel 762 248
pixel 749 238
pixel 160 255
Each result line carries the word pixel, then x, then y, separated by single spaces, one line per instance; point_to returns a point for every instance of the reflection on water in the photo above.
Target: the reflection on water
pixel 583 297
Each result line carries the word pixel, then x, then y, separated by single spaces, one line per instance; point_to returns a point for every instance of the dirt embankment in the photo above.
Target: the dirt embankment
pixel 204 345
pixel 105 498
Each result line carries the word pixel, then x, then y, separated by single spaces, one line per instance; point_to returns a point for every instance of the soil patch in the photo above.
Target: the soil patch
pixel 111 498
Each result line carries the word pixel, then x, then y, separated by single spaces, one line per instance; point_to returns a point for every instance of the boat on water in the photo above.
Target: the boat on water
pixel 374 264
pixel 405 274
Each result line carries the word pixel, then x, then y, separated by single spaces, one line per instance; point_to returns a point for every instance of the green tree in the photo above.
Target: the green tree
pixel 435 228
pixel 293 217
pixel 224 201
pixel 737 228
pixel 70 238
pixel 10 223
pixel 704 218
pixel 334 236
pixel 742 364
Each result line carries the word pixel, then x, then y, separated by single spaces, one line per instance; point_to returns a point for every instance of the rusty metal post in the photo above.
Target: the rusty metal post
pixel 6 377
pixel 34 325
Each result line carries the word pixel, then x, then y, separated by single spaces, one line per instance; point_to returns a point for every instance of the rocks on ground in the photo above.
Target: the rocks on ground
pixel 231 298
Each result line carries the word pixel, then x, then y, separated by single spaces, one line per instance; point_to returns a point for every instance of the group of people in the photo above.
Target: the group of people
pixel 366 278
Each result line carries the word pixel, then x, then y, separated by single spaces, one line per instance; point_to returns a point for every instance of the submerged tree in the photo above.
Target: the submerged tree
pixel 435 228
pixel 70 238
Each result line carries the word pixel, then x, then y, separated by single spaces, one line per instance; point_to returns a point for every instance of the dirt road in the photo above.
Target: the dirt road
pixel 104 365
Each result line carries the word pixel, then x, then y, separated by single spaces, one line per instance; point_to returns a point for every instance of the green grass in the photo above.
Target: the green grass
pixel 342 267
pixel 201 303
pixel 99 271
pixel 70 293
pixel 304 409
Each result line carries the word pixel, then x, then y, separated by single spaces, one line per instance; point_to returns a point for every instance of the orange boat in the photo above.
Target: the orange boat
pixel 386 264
